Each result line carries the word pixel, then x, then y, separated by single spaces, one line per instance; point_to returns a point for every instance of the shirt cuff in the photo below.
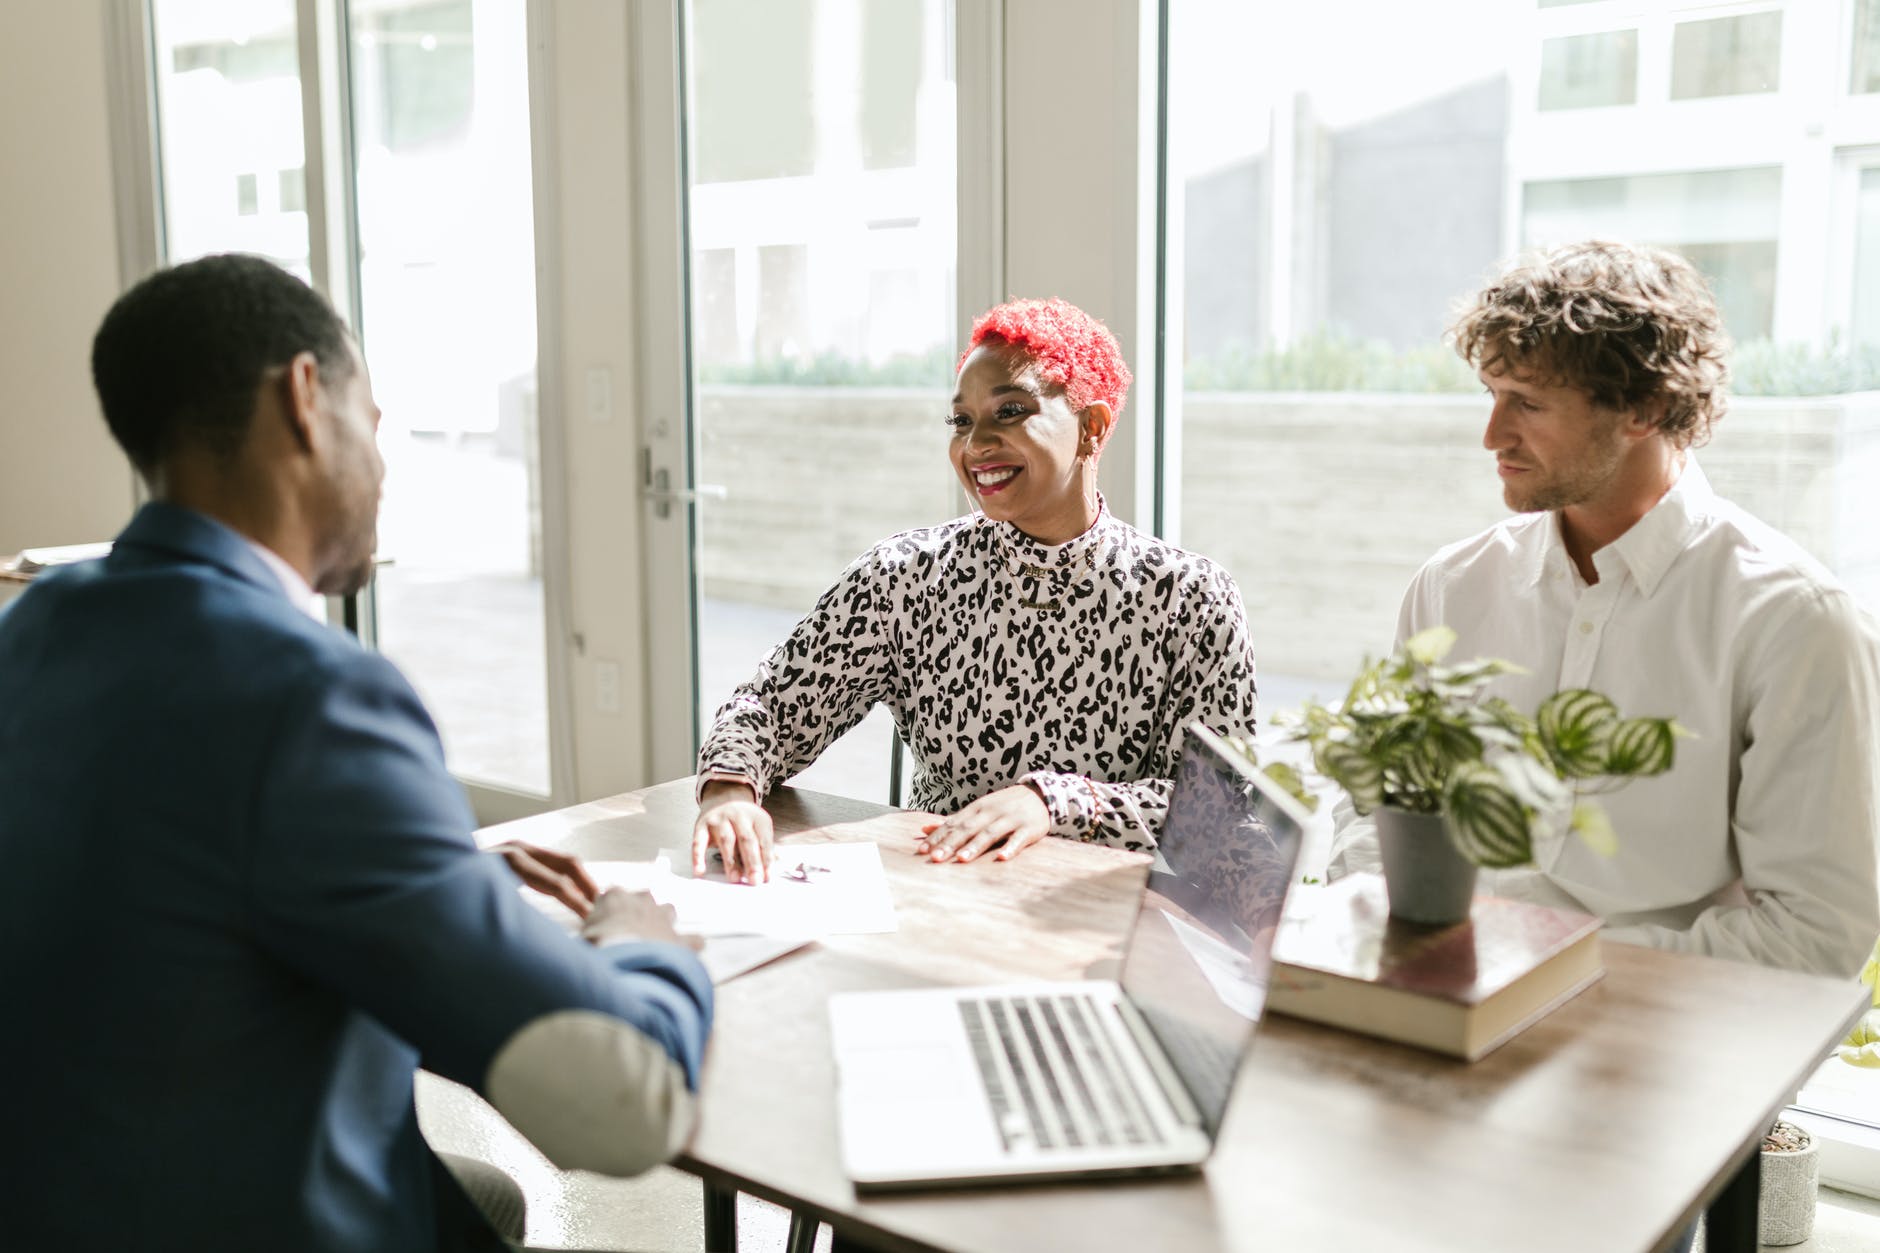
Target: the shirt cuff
pixel 724 776
pixel 1070 799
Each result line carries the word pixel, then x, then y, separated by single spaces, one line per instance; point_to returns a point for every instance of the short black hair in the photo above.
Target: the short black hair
pixel 179 357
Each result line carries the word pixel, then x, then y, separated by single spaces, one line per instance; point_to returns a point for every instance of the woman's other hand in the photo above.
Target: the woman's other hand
pixel 553 874
pixel 731 821
pixel 1011 820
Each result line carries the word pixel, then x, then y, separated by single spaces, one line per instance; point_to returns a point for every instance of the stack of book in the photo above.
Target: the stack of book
pixel 1463 990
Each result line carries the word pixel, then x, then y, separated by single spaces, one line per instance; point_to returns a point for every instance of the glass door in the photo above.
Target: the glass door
pixel 420 227
pixel 439 96
pixel 819 213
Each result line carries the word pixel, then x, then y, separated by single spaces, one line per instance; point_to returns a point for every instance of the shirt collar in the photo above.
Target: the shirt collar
pixel 1648 549
pixel 1655 540
pixel 297 590
pixel 1072 552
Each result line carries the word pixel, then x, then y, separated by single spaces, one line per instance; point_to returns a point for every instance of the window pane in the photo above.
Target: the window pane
pixel 1865 76
pixel 1866 321
pixel 1329 440
pixel 441 123
pixel 739 50
pixel 822 230
pixel 228 122
pixel 1332 199
pixel 1726 56
pixel 1585 71
pixel 890 75
pixel 1724 221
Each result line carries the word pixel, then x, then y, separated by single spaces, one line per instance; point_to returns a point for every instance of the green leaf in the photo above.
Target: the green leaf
pixel 1294 784
pixel 1575 726
pixel 1360 776
pixel 1641 747
pixel 1594 828
pixel 1487 822
pixel 1431 645
pixel 1533 783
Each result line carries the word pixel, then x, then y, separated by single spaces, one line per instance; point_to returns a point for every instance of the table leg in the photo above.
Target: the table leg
pixel 1730 1224
pixel 803 1231
pixel 721 1218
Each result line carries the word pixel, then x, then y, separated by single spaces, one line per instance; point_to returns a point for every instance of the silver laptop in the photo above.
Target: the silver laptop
pixel 942 1086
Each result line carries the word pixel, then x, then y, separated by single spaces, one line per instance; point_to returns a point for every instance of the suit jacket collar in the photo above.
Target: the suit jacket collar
pixel 160 528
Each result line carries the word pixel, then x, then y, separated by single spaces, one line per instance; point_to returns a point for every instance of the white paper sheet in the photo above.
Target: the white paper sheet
pixel 845 892
pixel 634 876
pixel 1228 970
pixel 728 956
pixel 725 956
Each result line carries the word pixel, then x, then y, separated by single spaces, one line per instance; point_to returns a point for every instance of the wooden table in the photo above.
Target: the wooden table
pixel 1608 1126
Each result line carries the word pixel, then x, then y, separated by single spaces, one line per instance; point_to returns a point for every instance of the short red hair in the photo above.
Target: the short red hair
pixel 1070 348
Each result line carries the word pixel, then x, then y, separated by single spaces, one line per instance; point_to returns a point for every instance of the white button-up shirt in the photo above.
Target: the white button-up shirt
pixel 1759 844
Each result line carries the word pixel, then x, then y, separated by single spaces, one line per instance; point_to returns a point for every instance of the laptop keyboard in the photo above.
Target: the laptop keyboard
pixel 1052 1076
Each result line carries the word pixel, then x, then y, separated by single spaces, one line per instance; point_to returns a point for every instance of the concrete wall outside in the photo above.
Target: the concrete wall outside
pixel 1321 504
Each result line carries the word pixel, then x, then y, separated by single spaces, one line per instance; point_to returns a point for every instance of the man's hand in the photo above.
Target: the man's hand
pixel 553 874
pixel 1011 820
pixel 623 915
pixel 731 821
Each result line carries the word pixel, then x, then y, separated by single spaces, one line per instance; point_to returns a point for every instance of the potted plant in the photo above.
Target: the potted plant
pixel 1459 779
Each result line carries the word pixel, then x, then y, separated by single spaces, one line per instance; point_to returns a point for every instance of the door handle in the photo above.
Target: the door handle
pixel 663 495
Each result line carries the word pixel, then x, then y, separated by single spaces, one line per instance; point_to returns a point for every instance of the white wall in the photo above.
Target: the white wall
pixel 62 480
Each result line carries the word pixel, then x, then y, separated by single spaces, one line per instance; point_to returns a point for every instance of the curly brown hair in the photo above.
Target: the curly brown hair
pixel 1629 326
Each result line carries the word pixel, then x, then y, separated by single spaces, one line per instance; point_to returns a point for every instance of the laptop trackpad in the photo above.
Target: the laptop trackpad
pixel 898 1069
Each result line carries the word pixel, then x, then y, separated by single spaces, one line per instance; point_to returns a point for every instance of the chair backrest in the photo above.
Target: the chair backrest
pixel 896 750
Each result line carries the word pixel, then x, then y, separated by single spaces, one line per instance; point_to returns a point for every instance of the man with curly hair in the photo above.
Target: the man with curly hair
pixel 1623 572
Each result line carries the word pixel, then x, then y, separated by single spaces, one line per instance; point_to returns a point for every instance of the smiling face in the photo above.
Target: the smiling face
pixel 1554 448
pixel 1020 452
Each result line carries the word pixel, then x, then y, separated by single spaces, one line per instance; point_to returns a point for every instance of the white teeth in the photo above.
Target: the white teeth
pixel 986 478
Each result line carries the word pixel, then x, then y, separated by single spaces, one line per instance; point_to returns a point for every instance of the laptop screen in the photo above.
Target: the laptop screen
pixel 1197 961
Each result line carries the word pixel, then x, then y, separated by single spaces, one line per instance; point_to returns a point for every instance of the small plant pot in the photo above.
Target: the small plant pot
pixel 1427 881
pixel 1790 1177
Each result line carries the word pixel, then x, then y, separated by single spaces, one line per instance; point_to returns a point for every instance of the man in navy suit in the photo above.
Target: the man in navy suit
pixel 239 901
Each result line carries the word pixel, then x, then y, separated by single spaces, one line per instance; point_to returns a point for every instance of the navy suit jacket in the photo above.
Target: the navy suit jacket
pixel 239 905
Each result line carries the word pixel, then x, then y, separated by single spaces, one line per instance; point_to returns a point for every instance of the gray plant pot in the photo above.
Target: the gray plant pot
pixel 1789 1182
pixel 1426 879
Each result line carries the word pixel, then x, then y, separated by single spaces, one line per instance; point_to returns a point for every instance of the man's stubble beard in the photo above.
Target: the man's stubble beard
pixel 1576 485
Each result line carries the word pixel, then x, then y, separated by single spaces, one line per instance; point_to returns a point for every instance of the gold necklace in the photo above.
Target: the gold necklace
pixel 1042 574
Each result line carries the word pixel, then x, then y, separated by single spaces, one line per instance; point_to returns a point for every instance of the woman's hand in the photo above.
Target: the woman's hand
pixel 553 874
pixel 731 821
pixel 1011 819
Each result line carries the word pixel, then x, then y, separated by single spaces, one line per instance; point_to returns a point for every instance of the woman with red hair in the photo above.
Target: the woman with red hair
pixel 1041 658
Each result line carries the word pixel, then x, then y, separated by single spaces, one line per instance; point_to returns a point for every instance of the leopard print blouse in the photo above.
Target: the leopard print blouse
pixel 1072 667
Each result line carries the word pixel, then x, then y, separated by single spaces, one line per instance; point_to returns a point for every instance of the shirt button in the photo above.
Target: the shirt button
pixel 1586 628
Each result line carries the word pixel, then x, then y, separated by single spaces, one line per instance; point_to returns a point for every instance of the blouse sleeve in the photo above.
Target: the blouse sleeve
pixel 1213 683
pixel 811 689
